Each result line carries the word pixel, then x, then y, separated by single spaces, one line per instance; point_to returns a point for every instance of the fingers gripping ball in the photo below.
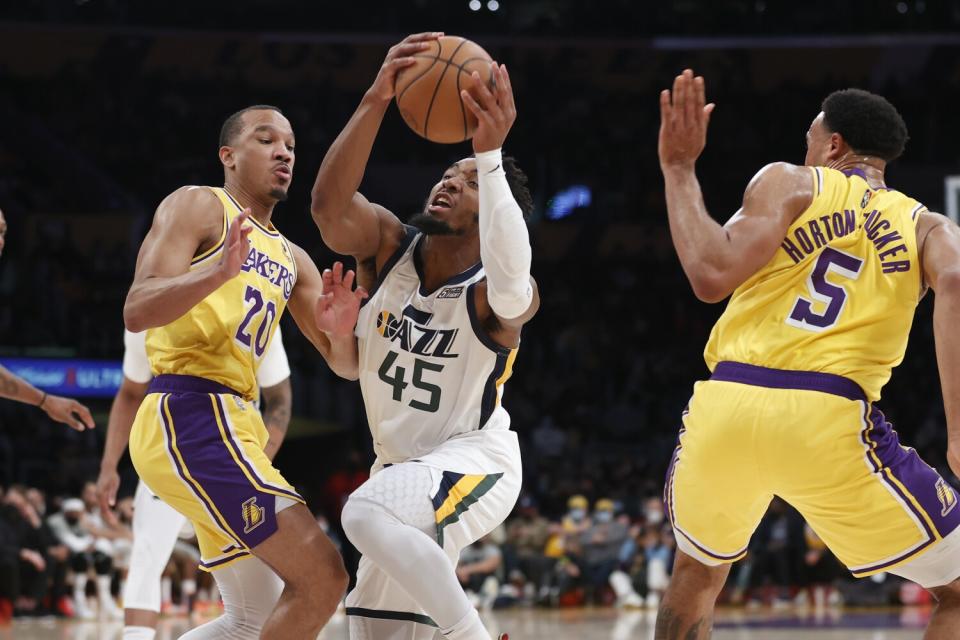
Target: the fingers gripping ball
pixel 428 92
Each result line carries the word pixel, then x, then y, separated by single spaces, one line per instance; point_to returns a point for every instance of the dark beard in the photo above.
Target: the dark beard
pixel 278 194
pixel 432 226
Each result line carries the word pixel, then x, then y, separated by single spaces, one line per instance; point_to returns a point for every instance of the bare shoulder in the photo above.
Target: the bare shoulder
pixel 780 189
pixel 930 220
pixel 193 207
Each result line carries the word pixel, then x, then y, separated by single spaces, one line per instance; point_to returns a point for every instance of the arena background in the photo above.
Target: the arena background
pixel 107 106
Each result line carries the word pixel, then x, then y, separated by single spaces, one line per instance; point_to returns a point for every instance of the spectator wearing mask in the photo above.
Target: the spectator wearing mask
pixel 602 543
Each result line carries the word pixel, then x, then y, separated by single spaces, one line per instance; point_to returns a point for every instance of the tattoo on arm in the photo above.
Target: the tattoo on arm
pixel 277 416
pixel 670 627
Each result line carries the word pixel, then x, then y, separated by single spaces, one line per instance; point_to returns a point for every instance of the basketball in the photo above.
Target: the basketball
pixel 428 92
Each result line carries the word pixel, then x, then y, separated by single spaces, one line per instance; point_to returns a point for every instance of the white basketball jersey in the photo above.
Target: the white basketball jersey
pixel 428 371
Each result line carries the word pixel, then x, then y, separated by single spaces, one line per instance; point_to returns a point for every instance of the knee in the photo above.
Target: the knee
pixel 358 521
pixel 947 595
pixel 329 577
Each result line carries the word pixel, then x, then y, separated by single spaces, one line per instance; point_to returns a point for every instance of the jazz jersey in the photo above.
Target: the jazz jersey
pixel 839 294
pixel 428 370
pixel 225 336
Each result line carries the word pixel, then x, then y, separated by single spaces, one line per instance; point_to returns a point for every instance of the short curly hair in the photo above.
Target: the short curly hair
pixel 517 180
pixel 233 125
pixel 868 122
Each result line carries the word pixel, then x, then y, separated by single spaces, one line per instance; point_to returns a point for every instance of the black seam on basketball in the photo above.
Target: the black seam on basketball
pixel 463 108
pixel 436 89
pixel 424 72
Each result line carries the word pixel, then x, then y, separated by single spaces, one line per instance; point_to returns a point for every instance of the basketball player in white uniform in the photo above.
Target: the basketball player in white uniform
pixel 437 340
pixel 156 525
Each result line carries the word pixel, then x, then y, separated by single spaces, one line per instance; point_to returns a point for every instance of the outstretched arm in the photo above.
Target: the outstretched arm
pixel 717 259
pixel 348 222
pixel 65 410
pixel 941 270
pixel 164 288
pixel 326 309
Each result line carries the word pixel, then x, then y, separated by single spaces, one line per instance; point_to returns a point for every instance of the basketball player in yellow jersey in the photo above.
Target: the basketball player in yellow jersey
pixel 212 280
pixel 825 265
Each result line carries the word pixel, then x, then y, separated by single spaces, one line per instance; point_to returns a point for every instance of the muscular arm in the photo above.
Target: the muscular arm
pixel 65 410
pixel 279 400
pixel 348 222
pixel 163 287
pixel 122 412
pixel 718 259
pixel 14 387
pixel 340 351
pixel 941 271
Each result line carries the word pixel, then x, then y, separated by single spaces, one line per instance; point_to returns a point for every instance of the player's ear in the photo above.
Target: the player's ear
pixel 838 146
pixel 226 157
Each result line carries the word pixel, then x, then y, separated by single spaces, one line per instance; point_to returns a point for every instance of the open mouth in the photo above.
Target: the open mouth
pixel 441 202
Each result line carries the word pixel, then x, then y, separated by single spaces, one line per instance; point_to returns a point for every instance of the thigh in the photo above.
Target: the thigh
pixel 203 455
pixel 873 502
pixel 715 494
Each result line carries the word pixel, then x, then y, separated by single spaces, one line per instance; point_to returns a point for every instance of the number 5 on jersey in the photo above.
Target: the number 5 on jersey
pixel 398 381
pixel 825 292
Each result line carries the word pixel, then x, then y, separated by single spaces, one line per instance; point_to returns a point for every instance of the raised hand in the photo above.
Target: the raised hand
pixel 495 110
pixel 684 116
pixel 236 246
pixel 399 57
pixel 339 305
pixel 68 411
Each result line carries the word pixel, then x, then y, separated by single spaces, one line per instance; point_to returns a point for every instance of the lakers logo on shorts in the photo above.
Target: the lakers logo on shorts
pixel 946 495
pixel 253 516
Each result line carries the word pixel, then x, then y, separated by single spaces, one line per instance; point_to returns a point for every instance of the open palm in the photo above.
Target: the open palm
pixel 339 305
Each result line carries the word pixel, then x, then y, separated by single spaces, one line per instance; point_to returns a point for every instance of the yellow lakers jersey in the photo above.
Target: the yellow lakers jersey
pixel 839 294
pixel 224 337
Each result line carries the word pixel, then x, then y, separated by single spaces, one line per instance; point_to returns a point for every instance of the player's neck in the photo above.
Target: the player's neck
pixel 443 257
pixel 261 210
pixel 871 167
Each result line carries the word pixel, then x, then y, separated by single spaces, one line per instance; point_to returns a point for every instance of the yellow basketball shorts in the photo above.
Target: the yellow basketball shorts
pixel 750 433
pixel 199 447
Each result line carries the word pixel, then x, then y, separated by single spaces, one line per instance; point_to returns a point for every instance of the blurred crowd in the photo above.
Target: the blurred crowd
pixel 604 370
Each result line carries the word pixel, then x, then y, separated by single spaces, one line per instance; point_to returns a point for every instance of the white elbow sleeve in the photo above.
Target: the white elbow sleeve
pixel 504 240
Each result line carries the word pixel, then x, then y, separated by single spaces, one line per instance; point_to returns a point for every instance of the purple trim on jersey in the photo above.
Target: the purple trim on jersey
pixel 213 564
pixel 785 379
pixel 238 451
pixel 477 326
pixel 175 383
pixel 209 461
pixel 171 437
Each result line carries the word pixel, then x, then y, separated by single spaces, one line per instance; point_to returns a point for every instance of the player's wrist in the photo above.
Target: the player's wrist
pixel 489 161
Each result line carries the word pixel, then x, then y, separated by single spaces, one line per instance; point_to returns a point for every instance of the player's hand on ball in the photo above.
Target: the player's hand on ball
pixel 495 109
pixel 337 309
pixel 399 57
pixel 684 116
pixel 68 411
pixel 236 246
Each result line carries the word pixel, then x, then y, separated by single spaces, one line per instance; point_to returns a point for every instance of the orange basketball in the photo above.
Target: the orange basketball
pixel 428 92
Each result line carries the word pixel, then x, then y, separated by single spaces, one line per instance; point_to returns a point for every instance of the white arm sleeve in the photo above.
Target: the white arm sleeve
pixel 136 366
pixel 274 368
pixel 504 240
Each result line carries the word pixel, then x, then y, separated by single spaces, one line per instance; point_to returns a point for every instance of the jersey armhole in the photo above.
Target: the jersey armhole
pixel 223 234
pixel 477 326
pixel 411 234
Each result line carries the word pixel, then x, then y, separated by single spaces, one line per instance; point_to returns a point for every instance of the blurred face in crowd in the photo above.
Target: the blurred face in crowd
pixel 653 511
pixel 452 208
pixel 37 499
pixel 89 496
pixel 261 156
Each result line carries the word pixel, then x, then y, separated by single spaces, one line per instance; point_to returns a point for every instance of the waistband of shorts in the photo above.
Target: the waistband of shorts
pixel 785 379
pixel 176 383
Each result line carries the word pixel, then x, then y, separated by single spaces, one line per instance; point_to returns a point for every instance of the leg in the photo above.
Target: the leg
pixel 946 617
pixel 250 593
pixel 155 529
pixel 392 522
pixel 687 608
pixel 312 570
